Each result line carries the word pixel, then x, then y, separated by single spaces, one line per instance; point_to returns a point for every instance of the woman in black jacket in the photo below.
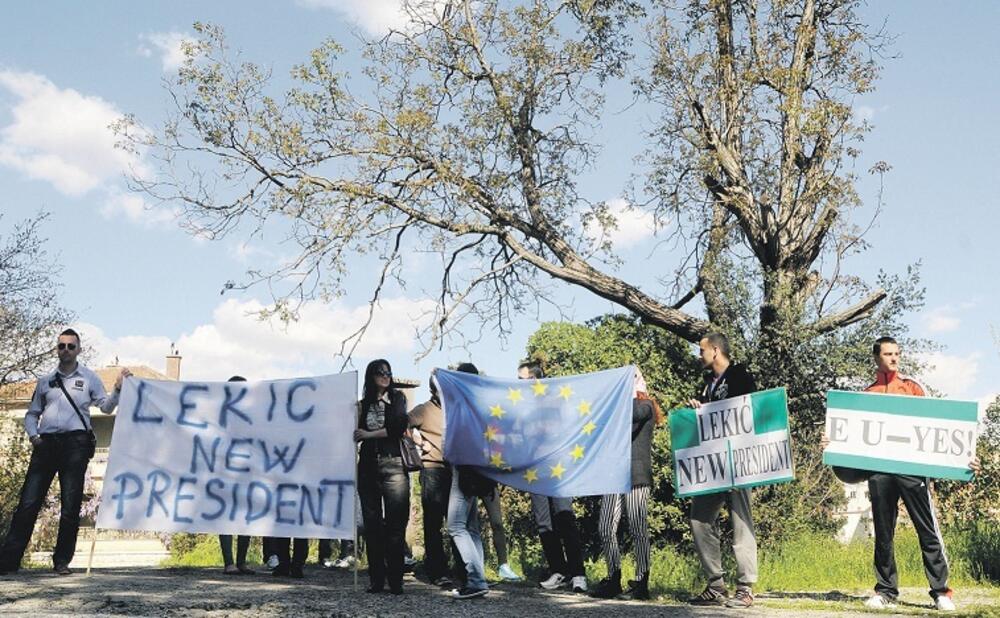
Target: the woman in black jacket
pixel 383 485
pixel 645 416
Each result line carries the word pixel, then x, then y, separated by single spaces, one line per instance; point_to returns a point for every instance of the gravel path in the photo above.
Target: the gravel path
pixel 209 593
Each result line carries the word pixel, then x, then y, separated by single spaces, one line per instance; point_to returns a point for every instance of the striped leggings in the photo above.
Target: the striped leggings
pixel 635 510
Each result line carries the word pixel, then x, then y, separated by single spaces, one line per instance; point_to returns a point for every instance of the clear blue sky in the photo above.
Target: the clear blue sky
pixel 137 282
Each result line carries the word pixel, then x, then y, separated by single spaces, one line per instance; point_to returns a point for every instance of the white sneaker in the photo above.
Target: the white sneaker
pixel 507 574
pixel 272 562
pixel 944 603
pixel 346 563
pixel 330 564
pixel 879 602
pixel 554 581
pixel 579 584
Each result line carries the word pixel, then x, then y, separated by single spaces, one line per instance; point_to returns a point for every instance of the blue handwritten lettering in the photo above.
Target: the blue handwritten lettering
pixel 196 447
pixel 280 454
pixel 232 454
pixel 179 497
pixel 291 394
pixel 137 417
pixel 187 405
pixel 156 493
pixel 121 496
pixel 251 516
pixel 222 503
pixel 229 405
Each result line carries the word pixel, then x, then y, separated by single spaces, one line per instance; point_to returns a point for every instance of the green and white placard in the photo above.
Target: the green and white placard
pixel 921 436
pixel 736 442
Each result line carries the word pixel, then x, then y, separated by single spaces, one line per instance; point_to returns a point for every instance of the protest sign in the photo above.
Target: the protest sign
pixel 921 436
pixel 273 458
pixel 732 443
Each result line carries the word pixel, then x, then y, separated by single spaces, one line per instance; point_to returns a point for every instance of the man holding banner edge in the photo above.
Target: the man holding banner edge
pixel 885 491
pixel 723 380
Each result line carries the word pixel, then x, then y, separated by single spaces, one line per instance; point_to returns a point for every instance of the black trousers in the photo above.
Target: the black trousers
pixel 67 455
pixel 435 487
pixel 885 490
pixel 384 489
pixel 242 545
pixel 298 555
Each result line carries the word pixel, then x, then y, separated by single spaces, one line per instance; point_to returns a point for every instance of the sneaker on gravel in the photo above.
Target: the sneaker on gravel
pixel 944 602
pixel 554 581
pixel 579 584
pixel 272 562
pixel 507 574
pixel 470 593
pixel 330 564
pixel 742 599
pixel 879 601
pixel 710 596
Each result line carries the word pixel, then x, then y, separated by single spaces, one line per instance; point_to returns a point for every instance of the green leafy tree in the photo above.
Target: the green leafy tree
pixel 670 371
pixel 472 128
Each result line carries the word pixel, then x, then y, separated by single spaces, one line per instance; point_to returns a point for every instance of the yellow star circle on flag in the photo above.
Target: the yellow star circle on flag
pixel 515 395
pixel 565 392
pixel 584 408
pixel 497 411
pixel 539 388
pixel 558 470
pixel 577 453
pixel 531 475
pixel 497 460
pixel 589 428
pixel 490 434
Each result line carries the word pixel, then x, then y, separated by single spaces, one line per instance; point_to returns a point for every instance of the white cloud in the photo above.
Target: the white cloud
pixel 378 16
pixel 60 135
pixel 951 374
pixel 168 45
pixel 236 341
pixel 941 319
pixel 133 207
pixel 633 225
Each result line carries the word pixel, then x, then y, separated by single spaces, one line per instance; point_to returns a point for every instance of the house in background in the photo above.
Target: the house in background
pixel 15 398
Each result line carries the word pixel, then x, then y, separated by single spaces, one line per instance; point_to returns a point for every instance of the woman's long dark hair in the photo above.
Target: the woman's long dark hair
pixel 370 391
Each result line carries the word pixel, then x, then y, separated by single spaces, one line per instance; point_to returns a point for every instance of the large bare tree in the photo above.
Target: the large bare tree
pixel 30 314
pixel 468 133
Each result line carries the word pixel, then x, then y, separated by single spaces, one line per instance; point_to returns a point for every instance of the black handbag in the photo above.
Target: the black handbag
pixel 410 453
pixel 90 432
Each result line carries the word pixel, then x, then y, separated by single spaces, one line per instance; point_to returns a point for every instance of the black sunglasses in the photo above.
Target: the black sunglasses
pixel 66 346
pixel 382 373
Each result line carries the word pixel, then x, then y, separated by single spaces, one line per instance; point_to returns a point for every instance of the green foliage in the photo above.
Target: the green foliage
pixel 671 374
pixel 969 504
pixel 15 452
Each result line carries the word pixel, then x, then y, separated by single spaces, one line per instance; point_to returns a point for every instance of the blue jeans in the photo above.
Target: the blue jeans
pixel 463 526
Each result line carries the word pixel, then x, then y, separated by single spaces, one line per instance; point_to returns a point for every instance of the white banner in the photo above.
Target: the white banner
pixel 269 458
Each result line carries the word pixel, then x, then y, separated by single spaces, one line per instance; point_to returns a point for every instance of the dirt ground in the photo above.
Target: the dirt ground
pixel 208 593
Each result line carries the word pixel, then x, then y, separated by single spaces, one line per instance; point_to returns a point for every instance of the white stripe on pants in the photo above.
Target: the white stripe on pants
pixel 635 511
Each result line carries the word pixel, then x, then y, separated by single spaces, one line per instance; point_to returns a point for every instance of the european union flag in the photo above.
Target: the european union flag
pixel 558 437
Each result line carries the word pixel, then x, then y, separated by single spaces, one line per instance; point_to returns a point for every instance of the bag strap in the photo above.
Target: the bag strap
pixel 72 403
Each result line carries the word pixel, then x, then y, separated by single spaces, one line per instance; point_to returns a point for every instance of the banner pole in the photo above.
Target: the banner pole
pixel 93 544
pixel 354 519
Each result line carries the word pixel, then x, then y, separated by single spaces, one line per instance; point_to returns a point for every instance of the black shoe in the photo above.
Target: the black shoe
pixel 609 587
pixel 444 582
pixel 296 572
pixel 281 570
pixel 711 595
pixel 62 569
pixel 373 589
pixel 470 593
pixel 396 589
pixel 638 590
